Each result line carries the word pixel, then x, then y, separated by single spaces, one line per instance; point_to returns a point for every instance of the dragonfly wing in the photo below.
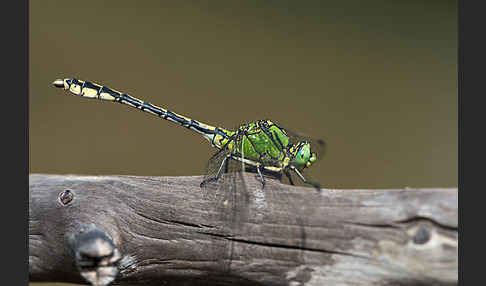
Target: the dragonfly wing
pixel 228 195
pixel 234 201
pixel 225 186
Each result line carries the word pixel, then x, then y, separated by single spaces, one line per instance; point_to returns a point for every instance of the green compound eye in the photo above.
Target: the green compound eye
pixel 303 154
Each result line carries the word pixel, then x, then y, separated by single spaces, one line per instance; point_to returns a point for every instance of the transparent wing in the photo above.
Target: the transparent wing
pixel 226 188
pixel 233 200
pixel 229 196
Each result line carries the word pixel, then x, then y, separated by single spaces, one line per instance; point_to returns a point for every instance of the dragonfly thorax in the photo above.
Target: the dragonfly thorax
pixel 264 142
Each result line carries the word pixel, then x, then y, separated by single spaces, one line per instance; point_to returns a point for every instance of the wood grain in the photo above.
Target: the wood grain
pixel 172 232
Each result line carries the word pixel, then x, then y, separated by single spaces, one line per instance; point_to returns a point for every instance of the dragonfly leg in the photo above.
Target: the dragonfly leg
pixel 218 175
pixel 259 170
pixel 287 173
pixel 314 184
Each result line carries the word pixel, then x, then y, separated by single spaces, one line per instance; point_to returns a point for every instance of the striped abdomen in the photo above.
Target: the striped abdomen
pixel 217 136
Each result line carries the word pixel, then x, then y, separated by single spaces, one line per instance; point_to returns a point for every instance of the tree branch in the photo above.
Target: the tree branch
pixel 156 230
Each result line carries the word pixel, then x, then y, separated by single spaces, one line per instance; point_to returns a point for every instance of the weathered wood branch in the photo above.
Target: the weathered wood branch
pixel 166 231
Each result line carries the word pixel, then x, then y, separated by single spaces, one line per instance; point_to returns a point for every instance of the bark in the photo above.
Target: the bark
pixel 170 231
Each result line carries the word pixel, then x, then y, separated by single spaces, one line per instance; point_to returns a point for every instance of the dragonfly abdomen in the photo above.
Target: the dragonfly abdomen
pixel 92 90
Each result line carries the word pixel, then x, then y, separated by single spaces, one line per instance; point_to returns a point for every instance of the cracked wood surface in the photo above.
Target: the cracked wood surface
pixel 170 233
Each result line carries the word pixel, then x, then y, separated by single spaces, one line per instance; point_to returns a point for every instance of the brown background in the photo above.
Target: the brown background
pixel 376 79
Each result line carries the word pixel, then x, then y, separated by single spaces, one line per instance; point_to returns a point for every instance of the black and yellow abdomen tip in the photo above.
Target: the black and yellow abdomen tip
pixel 58 83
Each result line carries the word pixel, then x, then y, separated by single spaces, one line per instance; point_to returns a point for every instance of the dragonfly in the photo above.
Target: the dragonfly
pixel 262 146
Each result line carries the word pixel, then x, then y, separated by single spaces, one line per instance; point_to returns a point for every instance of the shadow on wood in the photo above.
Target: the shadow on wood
pixel 163 230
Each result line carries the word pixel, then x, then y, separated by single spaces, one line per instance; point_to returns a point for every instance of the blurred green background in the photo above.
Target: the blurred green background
pixel 376 79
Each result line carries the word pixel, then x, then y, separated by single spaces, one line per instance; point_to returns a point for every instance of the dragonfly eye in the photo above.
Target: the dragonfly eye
pixel 302 155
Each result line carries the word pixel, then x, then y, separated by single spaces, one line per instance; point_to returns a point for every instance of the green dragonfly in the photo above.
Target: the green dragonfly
pixel 262 145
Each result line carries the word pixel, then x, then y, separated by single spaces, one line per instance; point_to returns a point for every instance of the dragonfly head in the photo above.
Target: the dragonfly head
pixel 303 155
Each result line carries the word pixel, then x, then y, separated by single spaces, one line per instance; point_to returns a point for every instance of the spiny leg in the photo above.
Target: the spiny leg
pixel 218 175
pixel 314 184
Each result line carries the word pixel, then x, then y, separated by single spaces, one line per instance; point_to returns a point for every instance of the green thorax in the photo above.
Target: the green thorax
pixel 261 141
